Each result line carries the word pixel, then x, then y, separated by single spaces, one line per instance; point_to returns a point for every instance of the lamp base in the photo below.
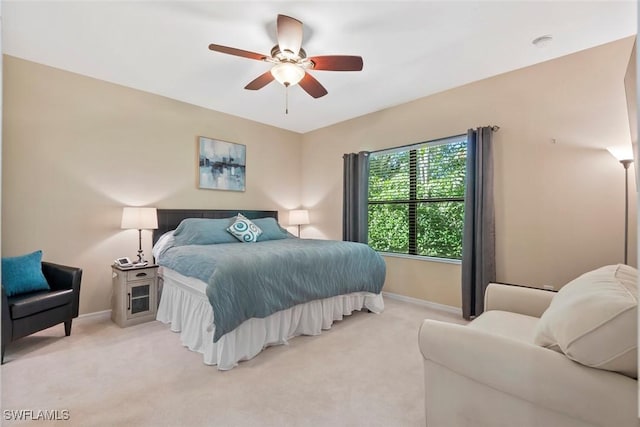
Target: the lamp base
pixel 140 254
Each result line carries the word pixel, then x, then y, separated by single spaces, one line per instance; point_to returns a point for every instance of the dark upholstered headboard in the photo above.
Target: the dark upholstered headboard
pixel 168 219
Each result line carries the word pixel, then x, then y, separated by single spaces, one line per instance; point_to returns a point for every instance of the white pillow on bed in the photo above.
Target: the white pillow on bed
pixel 244 230
pixel 164 242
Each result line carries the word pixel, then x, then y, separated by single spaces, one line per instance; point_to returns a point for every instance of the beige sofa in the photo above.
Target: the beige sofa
pixel 538 358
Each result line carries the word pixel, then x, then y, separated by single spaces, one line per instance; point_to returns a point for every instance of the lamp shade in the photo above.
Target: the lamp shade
pixel 139 218
pixel 299 217
pixel 621 152
pixel 287 74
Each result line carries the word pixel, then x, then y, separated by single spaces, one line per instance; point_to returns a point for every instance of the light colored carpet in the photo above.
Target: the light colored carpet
pixel 365 371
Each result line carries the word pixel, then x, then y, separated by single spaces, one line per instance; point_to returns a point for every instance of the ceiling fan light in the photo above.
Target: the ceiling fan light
pixel 287 74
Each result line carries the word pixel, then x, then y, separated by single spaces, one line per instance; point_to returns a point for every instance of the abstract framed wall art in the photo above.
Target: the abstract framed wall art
pixel 222 165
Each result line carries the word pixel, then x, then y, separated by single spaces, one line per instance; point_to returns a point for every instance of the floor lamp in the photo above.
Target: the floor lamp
pixel 626 163
pixel 625 157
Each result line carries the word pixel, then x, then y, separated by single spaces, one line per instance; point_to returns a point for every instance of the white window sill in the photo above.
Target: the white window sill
pixel 421 258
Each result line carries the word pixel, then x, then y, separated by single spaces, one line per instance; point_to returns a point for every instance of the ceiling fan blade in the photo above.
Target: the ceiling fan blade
pixel 261 81
pixel 312 86
pixel 237 52
pixel 337 63
pixel 289 33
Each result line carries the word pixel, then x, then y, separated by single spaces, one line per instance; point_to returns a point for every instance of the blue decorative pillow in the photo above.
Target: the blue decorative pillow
pixel 271 230
pixel 23 274
pixel 203 231
pixel 245 230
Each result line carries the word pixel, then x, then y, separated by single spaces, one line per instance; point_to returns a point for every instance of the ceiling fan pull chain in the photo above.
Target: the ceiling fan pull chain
pixel 286 99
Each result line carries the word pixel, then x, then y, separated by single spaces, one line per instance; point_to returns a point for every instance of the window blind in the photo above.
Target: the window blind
pixel 416 198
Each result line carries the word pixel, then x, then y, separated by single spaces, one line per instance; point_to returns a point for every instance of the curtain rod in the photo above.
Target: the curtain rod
pixel 495 128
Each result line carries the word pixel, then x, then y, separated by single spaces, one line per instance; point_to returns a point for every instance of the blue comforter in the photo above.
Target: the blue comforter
pixel 248 280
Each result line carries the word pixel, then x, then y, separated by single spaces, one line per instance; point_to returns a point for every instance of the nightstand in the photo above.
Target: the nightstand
pixel 134 294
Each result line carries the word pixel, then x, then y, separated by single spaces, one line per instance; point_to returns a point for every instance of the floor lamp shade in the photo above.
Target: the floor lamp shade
pixel 139 219
pixel 621 152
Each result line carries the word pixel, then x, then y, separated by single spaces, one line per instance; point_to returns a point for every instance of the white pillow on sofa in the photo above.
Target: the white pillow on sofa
pixel 593 320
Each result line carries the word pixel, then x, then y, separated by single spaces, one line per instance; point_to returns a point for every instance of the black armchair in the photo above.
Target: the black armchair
pixel 31 312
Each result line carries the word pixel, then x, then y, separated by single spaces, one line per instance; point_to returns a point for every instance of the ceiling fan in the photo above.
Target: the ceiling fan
pixel 291 64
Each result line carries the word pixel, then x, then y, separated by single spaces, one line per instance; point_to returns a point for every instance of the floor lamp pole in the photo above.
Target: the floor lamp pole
pixel 625 164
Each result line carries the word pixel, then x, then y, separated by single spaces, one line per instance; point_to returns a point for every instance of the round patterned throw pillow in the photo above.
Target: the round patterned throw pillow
pixel 244 230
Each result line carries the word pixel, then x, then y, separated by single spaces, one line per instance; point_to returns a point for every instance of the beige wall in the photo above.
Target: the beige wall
pixel 77 149
pixel 559 206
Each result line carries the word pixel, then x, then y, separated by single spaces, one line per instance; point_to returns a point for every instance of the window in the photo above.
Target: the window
pixel 416 198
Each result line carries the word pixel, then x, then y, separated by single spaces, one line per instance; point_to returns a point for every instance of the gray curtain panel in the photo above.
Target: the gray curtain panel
pixel 478 239
pixel 355 197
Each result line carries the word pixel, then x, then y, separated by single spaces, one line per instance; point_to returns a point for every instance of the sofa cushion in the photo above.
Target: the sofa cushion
pixel 27 304
pixel 507 324
pixel 593 320
pixel 22 274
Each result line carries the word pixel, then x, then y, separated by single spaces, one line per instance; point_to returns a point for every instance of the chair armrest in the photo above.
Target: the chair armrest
pixel 535 374
pixel 6 319
pixel 517 299
pixel 61 276
pixel 64 277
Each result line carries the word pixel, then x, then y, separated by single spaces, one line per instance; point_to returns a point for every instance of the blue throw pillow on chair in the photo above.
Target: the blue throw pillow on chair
pixel 22 274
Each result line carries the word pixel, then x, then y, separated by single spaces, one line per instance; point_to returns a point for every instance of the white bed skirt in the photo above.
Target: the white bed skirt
pixel 186 307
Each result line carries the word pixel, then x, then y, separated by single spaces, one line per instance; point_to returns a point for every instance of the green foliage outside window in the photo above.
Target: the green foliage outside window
pixel 416 199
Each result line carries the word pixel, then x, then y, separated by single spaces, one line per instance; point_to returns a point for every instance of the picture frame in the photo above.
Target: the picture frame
pixel 221 165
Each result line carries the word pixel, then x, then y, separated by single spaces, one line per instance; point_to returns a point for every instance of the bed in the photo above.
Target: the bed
pixel 229 300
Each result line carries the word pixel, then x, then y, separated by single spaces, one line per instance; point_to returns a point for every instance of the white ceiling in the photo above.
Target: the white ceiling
pixel 411 49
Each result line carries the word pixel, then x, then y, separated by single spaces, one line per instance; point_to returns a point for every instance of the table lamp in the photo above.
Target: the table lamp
pixel 139 219
pixel 299 217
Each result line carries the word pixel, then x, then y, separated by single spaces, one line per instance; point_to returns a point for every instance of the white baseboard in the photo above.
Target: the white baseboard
pixel 424 303
pixel 103 313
